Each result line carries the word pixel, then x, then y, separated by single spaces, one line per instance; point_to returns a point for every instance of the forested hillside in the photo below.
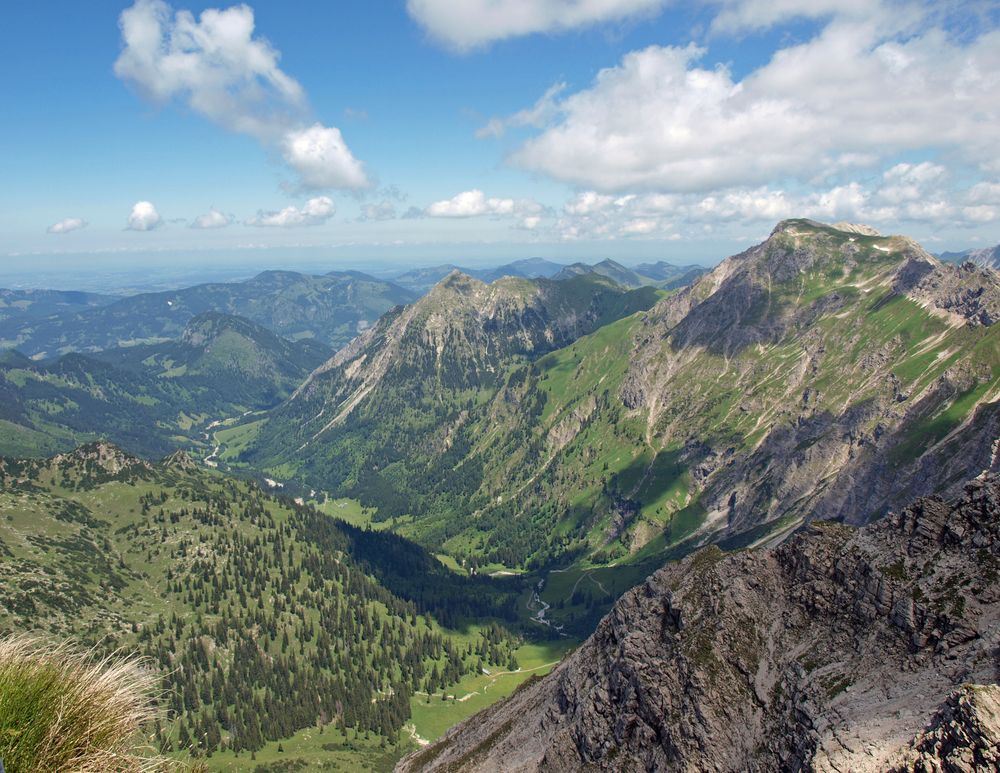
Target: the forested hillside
pixel 150 399
pixel 263 617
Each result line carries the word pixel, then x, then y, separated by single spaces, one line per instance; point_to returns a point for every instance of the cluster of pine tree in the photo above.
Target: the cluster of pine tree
pixel 279 623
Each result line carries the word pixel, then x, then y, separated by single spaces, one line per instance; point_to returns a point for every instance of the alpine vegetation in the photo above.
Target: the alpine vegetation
pixel 62 709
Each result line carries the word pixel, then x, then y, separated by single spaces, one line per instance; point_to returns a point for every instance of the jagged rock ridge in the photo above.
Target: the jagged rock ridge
pixel 839 650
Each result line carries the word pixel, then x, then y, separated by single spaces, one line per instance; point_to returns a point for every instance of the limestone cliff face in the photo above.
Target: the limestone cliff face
pixel 840 649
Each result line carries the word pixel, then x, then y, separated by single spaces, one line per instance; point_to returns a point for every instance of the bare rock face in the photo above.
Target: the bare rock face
pixel 963 737
pixel 841 649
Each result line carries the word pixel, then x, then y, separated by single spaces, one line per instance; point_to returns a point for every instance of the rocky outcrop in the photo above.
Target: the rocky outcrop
pixel 963 737
pixel 841 649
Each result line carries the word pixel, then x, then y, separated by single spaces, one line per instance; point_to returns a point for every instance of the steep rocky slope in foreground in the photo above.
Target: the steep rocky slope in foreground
pixel 841 649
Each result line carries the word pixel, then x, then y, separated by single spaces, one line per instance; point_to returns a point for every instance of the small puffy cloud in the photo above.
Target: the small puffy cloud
pixel 316 211
pixel 220 68
pixel 66 225
pixel 143 217
pixel 212 219
pixel 214 63
pixel 322 158
pixel 475 203
pixel 471 23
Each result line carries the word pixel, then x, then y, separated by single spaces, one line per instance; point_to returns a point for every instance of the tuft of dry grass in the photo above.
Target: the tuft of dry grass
pixel 62 709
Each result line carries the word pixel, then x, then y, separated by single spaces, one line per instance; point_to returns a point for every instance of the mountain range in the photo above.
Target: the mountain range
pixel 982 256
pixel 660 274
pixel 36 304
pixel 380 509
pixel 393 418
pixel 827 372
pixel 151 398
pixel 332 309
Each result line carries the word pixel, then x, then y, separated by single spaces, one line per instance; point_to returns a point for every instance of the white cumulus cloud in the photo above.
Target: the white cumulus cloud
pixel 590 215
pixel 856 94
pixel 910 182
pixel 143 217
pixel 66 225
pixel 474 203
pixel 315 211
pixel 322 158
pixel 471 23
pixel 212 219
pixel 217 66
pixel 737 16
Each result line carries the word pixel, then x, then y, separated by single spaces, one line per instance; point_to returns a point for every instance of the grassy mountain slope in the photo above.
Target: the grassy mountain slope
pixel 152 398
pixel 240 359
pixel 825 372
pixel 263 618
pixel 331 308
pixel 388 418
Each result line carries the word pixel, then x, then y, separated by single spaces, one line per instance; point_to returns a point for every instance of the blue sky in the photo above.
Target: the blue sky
pixel 438 130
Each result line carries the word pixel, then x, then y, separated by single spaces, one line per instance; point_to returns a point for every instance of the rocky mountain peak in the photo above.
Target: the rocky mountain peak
pixel 856 228
pixel 459 283
pixel 100 455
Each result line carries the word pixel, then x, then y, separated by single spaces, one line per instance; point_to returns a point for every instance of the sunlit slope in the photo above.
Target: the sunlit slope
pixel 390 419
pixel 823 373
